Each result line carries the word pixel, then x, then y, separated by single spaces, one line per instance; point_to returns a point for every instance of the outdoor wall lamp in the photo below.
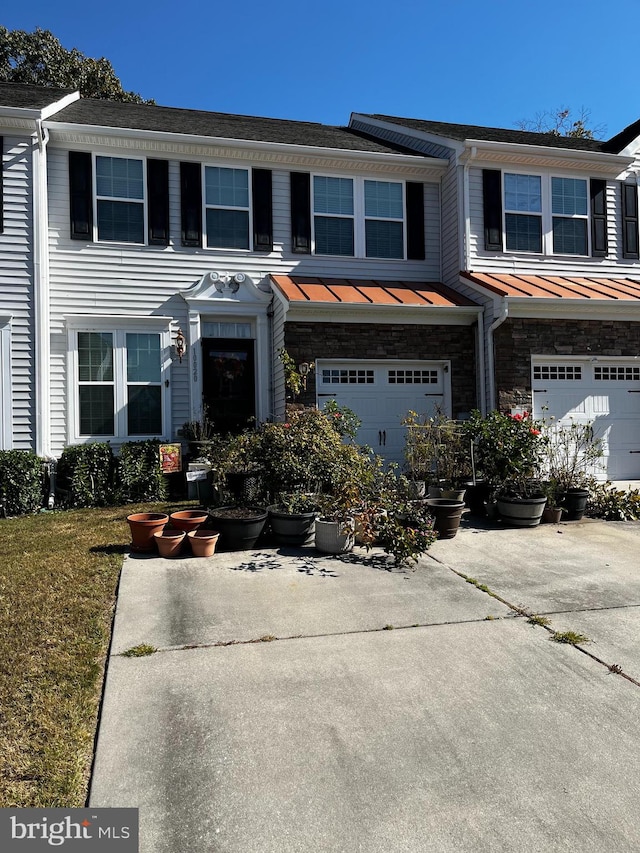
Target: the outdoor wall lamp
pixel 304 370
pixel 180 344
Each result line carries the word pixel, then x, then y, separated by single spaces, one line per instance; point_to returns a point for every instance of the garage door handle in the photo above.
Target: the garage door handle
pixel 434 394
pixel 629 391
pixel 379 438
pixel 384 437
pixel 539 390
pixel 327 395
pixel 634 451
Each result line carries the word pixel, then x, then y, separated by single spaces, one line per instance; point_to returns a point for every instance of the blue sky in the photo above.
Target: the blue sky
pixel 489 63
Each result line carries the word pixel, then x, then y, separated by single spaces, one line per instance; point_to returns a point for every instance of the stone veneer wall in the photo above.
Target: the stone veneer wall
pixel 516 340
pixel 309 341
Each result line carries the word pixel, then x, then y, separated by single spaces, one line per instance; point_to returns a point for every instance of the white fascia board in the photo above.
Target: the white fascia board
pixel 429 315
pixel 573 309
pixel 29 114
pixel 412 132
pixel 512 151
pixel 249 145
pixel 56 106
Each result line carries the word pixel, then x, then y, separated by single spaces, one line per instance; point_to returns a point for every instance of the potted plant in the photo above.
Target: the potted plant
pixel 407 532
pixel 240 526
pixel 419 452
pixel 552 512
pixel 293 518
pixel 202 436
pixel 509 450
pixel 573 455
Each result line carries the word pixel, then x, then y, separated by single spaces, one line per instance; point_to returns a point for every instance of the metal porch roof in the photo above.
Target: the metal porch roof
pixel 557 286
pixel 350 291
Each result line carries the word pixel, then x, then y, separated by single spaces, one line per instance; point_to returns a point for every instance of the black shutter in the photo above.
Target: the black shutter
pixel 415 221
pixel 191 203
pixel 301 213
pixel 262 210
pixel 598 192
pixel 630 221
pixel 492 207
pixel 1 184
pixel 158 195
pixel 81 195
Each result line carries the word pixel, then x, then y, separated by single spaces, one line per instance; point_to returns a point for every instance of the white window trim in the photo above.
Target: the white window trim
pixel 359 218
pixel 546 215
pixel 119 327
pixel 205 206
pixel 143 201
pixel 6 413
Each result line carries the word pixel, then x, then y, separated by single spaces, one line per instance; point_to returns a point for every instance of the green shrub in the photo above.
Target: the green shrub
pixel 139 474
pixel 85 472
pixel 605 501
pixel 21 482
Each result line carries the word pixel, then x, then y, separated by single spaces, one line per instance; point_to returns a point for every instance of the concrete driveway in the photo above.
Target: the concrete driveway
pixel 300 703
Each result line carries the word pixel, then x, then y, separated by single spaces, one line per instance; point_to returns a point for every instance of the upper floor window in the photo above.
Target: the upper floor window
pixel 523 213
pixel 358 218
pixel 569 209
pixel 546 215
pixel 227 208
pixel 120 199
pixel 384 219
pixel 333 218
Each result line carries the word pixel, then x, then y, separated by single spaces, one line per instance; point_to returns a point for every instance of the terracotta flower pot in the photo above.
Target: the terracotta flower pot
pixel 143 525
pixel 188 519
pixel 203 542
pixel 169 542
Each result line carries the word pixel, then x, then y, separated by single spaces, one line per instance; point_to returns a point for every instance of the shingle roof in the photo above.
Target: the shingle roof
pixel 557 287
pixel 622 139
pixel 224 125
pixel 29 97
pixel 461 132
pixel 353 291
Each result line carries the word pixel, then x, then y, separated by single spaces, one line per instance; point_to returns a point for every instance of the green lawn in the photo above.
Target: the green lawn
pixel 58 579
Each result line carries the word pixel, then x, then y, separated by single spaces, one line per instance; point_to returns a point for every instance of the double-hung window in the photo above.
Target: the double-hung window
pixel 384 219
pixel 569 216
pixel 120 389
pixel 358 218
pixel 333 215
pixel 120 199
pixel 547 214
pixel 227 207
pixel 523 213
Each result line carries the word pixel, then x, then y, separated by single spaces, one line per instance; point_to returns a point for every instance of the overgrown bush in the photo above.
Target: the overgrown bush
pixel 139 473
pixel 21 482
pixel 611 504
pixel 85 472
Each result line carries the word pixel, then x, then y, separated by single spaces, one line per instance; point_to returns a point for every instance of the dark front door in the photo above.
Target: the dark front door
pixel 228 382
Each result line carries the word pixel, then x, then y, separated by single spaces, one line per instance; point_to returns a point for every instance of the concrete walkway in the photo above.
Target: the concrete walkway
pixel 302 704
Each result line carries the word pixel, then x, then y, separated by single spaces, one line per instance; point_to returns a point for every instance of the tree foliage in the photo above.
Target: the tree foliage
pixel 39 58
pixel 564 122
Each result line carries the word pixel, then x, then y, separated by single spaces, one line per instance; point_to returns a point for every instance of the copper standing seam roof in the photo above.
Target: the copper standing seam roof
pixel 353 291
pixel 557 287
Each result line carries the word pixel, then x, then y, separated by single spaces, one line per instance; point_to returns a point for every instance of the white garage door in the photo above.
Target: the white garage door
pixel 381 393
pixel 603 392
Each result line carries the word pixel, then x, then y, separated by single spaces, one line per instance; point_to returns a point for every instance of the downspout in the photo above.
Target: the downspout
pixel 42 320
pixel 502 316
pixel 466 265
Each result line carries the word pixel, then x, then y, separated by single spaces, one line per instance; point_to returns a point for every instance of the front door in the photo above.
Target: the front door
pixel 228 382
